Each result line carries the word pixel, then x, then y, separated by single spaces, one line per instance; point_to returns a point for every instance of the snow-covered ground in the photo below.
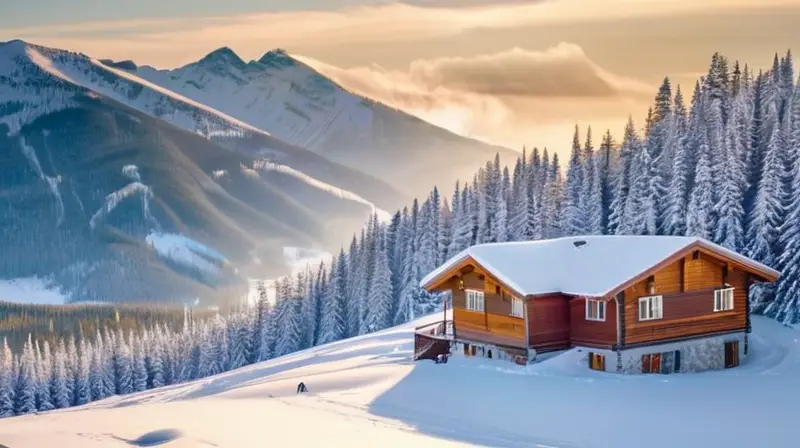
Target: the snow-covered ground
pixel 33 290
pixel 367 392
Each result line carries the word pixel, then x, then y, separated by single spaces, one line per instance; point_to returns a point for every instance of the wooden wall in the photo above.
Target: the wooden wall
pixel 495 325
pixel 592 333
pixel 548 322
pixel 687 287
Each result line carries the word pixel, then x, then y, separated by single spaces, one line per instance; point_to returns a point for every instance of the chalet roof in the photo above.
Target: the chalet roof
pixel 592 269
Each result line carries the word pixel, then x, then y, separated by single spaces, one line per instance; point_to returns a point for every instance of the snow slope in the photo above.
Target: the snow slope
pixel 367 392
pixel 33 290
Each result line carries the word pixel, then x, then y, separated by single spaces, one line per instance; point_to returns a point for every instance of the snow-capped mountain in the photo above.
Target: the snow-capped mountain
pixel 36 80
pixel 112 188
pixel 285 97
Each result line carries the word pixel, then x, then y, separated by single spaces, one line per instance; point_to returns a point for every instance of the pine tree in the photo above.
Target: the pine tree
pixel 123 366
pixel 729 230
pixel 682 174
pixel 575 218
pixel 623 179
pixel 6 381
pixel 59 393
pixel 768 210
pixel 699 219
pixel 332 326
pixel 82 393
pixel 380 294
pixel 43 371
pixel 25 393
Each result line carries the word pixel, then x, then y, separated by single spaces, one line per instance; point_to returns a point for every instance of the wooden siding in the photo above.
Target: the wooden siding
pixel 486 337
pixel 687 289
pixel 592 333
pixel 548 322
pixel 496 322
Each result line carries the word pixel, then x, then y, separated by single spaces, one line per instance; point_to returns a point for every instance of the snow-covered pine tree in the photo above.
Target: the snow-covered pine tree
pixel 500 230
pixel 261 308
pixel 352 297
pixel 588 204
pixel 623 178
pixel 139 373
pixel 82 392
pixel 59 393
pixel 288 318
pixel 681 172
pixel 380 294
pixel 310 306
pixel 786 305
pixel 553 202
pixel 25 393
pixel 123 365
pixel 71 364
pixel 575 219
pixel 237 341
pixel 768 211
pixel 44 401
pixel 699 218
pixel 333 325
pixel 96 385
pixel 729 231
pixel 6 381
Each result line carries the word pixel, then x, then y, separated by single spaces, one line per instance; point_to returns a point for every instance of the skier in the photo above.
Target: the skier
pixel 302 387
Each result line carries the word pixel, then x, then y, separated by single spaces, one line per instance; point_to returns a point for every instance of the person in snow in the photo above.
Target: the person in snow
pixel 302 387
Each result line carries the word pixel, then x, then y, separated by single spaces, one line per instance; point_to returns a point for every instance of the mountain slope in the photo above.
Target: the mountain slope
pixel 366 392
pixel 72 71
pixel 293 102
pixel 111 204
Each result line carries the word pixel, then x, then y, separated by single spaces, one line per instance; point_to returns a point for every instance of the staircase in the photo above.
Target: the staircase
pixel 432 340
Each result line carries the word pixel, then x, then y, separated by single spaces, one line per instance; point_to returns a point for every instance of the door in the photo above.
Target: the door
pixel 655 363
pixel 731 354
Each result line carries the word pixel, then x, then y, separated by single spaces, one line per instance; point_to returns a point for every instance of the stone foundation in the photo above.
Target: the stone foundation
pixel 696 355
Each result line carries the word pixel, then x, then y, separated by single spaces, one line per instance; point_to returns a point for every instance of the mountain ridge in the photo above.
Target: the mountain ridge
pixel 291 100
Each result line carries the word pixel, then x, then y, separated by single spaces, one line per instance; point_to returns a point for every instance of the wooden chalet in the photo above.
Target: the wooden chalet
pixel 635 303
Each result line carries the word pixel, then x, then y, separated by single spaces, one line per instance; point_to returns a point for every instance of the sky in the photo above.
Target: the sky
pixel 510 72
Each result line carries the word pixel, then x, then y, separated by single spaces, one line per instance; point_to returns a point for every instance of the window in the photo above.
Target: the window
pixel 723 299
pixel 475 300
pixel 597 362
pixel 516 307
pixel 595 310
pixel 650 308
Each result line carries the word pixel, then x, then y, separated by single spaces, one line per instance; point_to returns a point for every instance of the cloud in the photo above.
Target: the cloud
pixel 171 41
pixel 497 97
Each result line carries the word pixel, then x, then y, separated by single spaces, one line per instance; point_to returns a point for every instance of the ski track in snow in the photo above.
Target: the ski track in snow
pixel 265 165
pixel 366 391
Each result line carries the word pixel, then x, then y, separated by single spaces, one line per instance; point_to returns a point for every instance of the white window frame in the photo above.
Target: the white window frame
pixel 723 299
pixel 655 307
pixel 599 307
pixel 476 301
pixel 517 307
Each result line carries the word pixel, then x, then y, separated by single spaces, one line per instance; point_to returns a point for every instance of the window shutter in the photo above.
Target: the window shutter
pixel 677 361
pixel 591 358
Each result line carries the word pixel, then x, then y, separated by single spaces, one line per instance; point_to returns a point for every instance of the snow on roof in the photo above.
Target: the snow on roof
pixel 593 269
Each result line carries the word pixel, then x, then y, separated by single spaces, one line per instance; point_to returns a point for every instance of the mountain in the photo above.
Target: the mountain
pixel 285 97
pixel 367 392
pixel 112 188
